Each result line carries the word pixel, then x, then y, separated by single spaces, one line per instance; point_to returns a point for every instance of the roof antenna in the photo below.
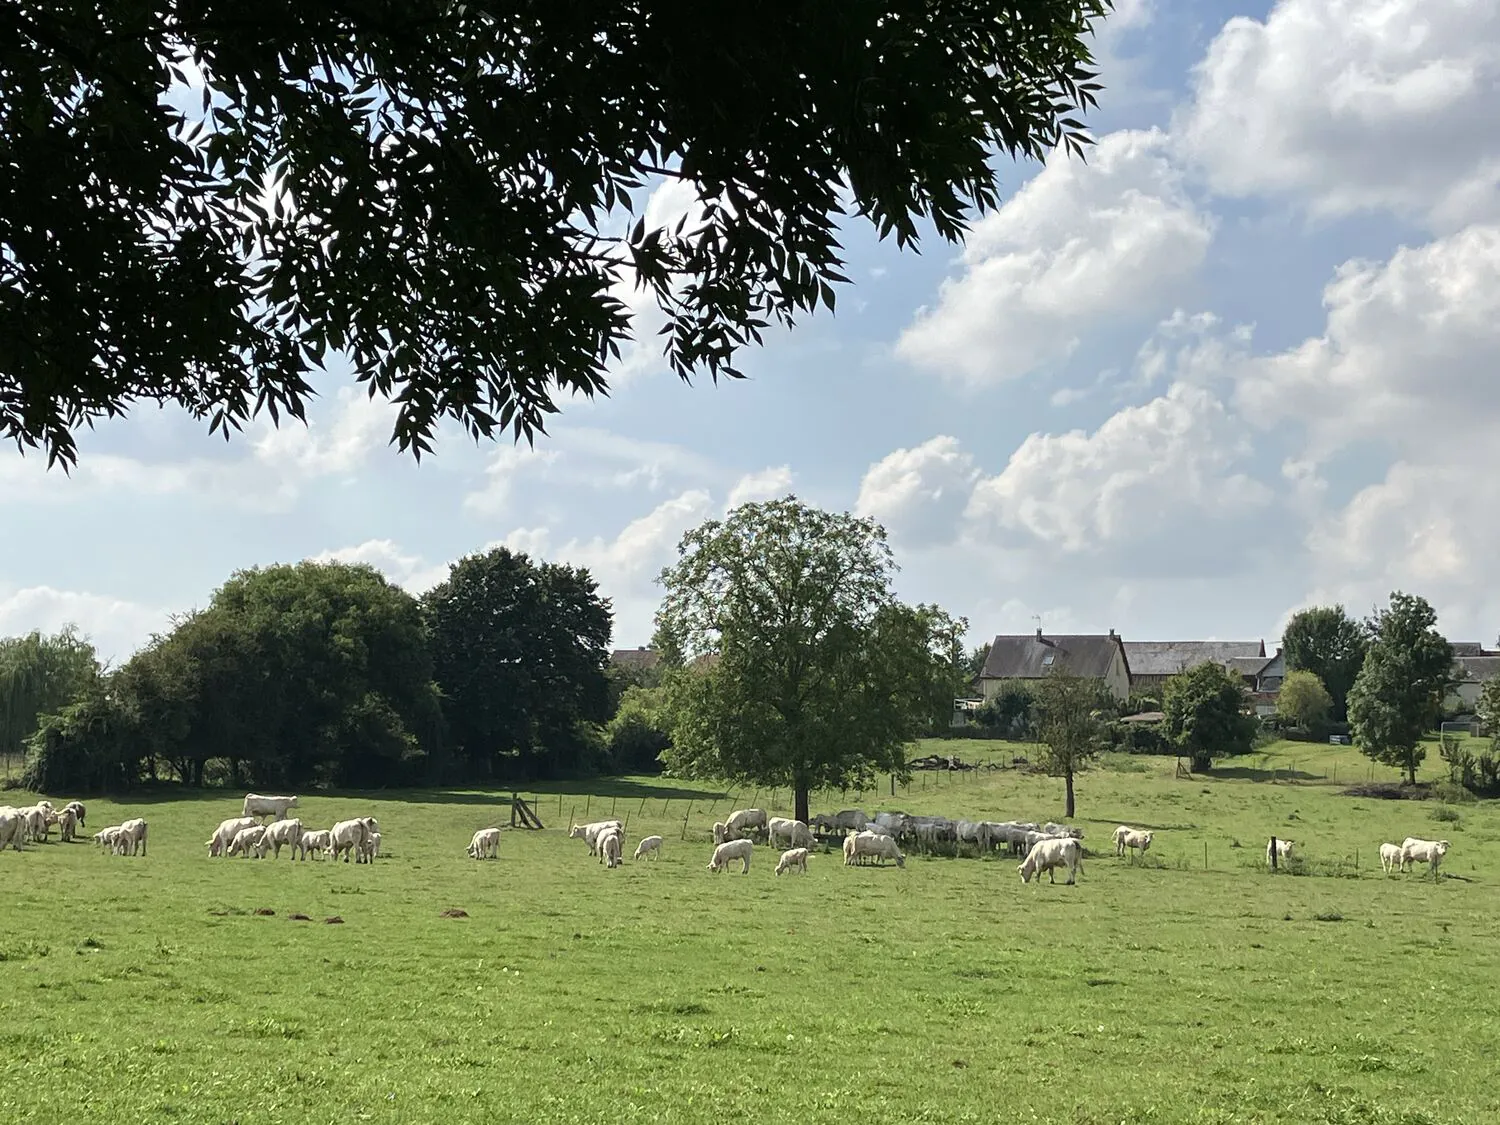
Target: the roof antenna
pixel 1037 617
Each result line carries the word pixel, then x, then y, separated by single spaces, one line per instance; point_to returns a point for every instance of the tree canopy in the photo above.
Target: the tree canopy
pixel 200 201
pixel 40 674
pixel 1327 642
pixel 1400 688
pixel 1303 699
pixel 519 651
pixel 1204 714
pixel 818 676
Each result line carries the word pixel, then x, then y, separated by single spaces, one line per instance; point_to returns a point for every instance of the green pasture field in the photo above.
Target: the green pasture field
pixel 1191 987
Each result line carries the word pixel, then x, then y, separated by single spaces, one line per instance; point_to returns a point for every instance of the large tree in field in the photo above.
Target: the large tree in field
pixel 200 200
pixel 1070 712
pixel 821 676
pixel 1327 642
pixel 1204 714
pixel 519 650
pixel 1303 699
pixel 1397 695
pixel 39 675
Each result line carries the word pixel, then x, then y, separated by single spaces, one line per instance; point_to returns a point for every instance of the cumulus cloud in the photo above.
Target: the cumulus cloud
pixel 1350 105
pixel 408 571
pixel 767 484
pixel 919 494
pixel 1082 243
pixel 116 626
pixel 1149 471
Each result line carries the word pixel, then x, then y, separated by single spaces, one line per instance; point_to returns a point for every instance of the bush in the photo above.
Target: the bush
pixel 1475 771
pixel 1445 813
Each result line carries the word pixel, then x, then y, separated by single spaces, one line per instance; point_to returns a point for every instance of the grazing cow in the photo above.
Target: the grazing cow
pixel 651 846
pixel 875 846
pixel 602 842
pixel 256 805
pixel 315 843
pixel 347 838
pixel 732 850
pixel 792 833
pixel 12 827
pixel 67 823
pixel 744 822
pixel 1390 856
pixel 590 833
pixel 1430 852
pixel 1283 851
pixel 133 835
pixel 792 857
pixel 227 831
pixel 110 838
pixel 1050 854
pixel 282 833
pixel 246 841
pixel 485 844
pixel 609 844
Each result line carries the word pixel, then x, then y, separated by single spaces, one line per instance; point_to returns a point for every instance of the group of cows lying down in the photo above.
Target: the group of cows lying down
pixel 246 836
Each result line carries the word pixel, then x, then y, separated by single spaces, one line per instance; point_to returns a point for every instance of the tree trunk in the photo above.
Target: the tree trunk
pixel 1069 778
pixel 801 803
pixel 1411 769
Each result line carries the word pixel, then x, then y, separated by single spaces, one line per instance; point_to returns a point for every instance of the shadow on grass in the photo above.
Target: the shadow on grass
pixel 1253 773
pixel 597 788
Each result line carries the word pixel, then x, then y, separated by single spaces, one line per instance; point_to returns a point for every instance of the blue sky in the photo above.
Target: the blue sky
pixel 1239 361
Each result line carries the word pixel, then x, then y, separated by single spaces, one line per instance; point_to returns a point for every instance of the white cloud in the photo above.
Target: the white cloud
pixel 508 466
pixel 919 494
pixel 1406 357
pixel 1166 466
pixel 116 626
pixel 409 572
pixel 768 484
pixel 1078 245
pixel 1352 104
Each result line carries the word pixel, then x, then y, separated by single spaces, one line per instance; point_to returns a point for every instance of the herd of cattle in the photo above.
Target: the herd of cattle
pixel 1046 847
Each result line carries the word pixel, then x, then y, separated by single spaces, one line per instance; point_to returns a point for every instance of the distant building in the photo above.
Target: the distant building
pixel 1153 663
pixel 1473 667
pixel 1031 657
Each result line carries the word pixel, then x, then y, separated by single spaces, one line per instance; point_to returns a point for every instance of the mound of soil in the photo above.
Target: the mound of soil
pixel 334 921
pixel 454 912
pixel 265 912
pixel 298 918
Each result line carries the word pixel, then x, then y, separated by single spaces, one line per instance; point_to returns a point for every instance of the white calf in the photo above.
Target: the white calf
pixel 246 841
pixel 1048 855
pixel 227 831
pixel 609 846
pixel 133 835
pixel 281 833
pixel 1390 856
pixel 315 843
pixel 793 857
pixel 730 851
pixel 371 847
pixel 651 846
pixel 485 844
pixel 1283 851
pixel 67 823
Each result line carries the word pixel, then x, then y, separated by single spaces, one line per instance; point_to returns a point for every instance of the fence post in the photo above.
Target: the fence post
pixel 1205 855
pixel 1274 856
pixel 684 823
pixel 612 801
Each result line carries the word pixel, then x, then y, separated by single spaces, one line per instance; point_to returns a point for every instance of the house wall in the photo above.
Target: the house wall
pixel 1147 683
pixel 1465 695
pixel 1118 679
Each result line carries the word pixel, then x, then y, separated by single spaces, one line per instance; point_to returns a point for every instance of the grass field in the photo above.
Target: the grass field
pixel 1194 987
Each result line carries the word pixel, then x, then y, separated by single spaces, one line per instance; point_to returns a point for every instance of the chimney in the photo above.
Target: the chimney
pixel 1038 632
pixel 1111 633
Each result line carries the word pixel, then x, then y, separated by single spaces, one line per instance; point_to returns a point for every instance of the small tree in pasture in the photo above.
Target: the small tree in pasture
pixel 1303 699
pixel 1205 717
pixel 1407 671
pixel 1070 713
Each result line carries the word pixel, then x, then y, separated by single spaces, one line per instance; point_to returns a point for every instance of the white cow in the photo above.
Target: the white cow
pixel 609 845
pixel 1047 855
pixel 792 857
pixel 133 836
pixel 722 834
pixel 12 828
pixel 743 822
pixel 78 811
pixel 589 833
pixel 485 844
pixel 282 833
pixel 371 847
pixel 1430 852
pixel 976 832
pixel 1135 841
pixel 347 838
pixel 109 837
pixel 791 833
pixel 315 843
pixel 1120 834
pixel 875 846
pixel 1390 856
pixel 1283 850
pixel 732 850
pixel 651 846
pixel 602 842
pixel 257 805
pixel 36 822
pixel 67 823
pixel 246 841
pixel 227 831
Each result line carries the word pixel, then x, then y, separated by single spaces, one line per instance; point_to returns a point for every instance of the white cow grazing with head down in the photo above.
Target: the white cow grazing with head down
pixel 651 846
pixel 590 833
pixel 108 837
pixel 485 844
pixel 793 857
pixel 1047 855
pixel 742 822
pixel 732 850
pixel 67 824
pixel 257 805
pixel 282 833
pixel 227 831
pixel 246 841
pixel 1430 852
pixel 609 845
pixel 12 828
pixel 791 833
pixel 347 838
pixel 1283 850
pixel 133 836
pixel 602 842
pixel 314 843
pixel 874 846
pixel 1390 856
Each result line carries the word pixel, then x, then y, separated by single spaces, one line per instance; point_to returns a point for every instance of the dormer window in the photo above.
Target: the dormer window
pixel 1048 659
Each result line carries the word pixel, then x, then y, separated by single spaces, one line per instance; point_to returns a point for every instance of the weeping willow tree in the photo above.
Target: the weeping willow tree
pixel 40 675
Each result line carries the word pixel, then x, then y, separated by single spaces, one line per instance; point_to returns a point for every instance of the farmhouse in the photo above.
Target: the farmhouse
pixel 1028 657
pixel 1153 663
pixel 1473 667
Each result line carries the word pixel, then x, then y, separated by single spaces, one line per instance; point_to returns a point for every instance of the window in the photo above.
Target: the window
pixel 1048 659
